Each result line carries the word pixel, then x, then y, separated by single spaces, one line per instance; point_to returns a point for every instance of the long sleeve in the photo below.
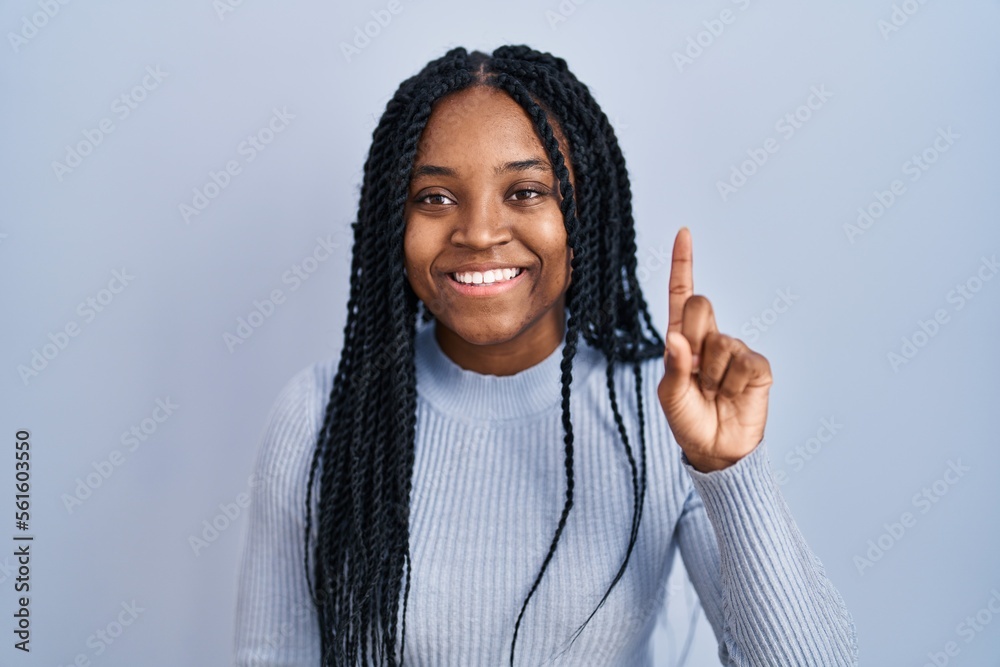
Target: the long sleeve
pixel 487 490
pixel 764 592
pixel 276 623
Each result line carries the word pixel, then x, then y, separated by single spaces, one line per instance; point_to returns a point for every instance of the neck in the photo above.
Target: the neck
pixel 510 357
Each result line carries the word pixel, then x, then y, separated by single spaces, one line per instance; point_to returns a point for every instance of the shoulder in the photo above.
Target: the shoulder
pixel 303 394
pixel 291 429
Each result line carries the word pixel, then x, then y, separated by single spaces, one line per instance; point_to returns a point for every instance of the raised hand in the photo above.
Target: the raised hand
pixel 714 389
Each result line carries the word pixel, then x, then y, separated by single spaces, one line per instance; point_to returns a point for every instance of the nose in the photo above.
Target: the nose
pixel 482 225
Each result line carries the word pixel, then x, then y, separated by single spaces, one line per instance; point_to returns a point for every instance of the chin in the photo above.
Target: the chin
pixel 494 332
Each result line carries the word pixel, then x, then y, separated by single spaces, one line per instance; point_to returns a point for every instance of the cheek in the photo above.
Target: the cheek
pixel 552 237
pixel 417 251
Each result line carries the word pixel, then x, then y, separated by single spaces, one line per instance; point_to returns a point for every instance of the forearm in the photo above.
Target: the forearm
pixel 779 607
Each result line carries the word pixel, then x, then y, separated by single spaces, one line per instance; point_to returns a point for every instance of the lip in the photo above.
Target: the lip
pixel 484 290
pixel 487 266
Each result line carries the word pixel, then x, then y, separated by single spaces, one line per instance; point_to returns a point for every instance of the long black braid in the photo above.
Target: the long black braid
pixel 363 461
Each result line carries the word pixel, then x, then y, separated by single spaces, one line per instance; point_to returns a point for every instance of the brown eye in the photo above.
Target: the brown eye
pixel 435 199
pixel 526 193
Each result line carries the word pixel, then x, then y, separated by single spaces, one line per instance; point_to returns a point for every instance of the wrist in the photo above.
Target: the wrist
pixel 707 464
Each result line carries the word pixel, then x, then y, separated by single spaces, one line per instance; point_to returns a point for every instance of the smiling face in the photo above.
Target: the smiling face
pixel 483 205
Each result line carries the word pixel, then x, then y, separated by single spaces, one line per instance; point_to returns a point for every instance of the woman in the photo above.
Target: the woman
pixel 478 482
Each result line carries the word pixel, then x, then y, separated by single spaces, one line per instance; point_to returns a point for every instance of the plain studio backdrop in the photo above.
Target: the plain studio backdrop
pixel 178 181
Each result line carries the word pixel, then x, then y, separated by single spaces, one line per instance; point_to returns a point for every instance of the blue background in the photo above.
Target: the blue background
pixel 850 297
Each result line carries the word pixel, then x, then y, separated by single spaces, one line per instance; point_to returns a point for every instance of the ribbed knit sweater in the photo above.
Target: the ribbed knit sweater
pixel 488 489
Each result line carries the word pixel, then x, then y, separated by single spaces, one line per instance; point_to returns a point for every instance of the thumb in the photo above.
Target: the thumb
pixel 678 363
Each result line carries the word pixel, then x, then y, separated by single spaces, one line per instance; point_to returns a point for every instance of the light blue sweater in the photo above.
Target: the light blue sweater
pixel 488 489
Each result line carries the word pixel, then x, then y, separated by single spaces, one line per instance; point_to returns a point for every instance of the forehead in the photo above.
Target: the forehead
pixel 477 123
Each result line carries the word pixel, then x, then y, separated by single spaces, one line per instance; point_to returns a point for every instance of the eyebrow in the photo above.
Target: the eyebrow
pixel 523 165
pixel 505 168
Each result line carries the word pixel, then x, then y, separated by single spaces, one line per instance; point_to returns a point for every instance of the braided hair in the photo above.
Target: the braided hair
pixel 363 461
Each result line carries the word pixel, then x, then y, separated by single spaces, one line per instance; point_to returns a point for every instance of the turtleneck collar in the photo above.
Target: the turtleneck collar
pixel 483 397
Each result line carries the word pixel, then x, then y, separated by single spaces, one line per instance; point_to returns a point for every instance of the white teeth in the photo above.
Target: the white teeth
pixel 486 277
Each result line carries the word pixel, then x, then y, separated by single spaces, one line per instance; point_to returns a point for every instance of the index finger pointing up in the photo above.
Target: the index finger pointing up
pixel 681 279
